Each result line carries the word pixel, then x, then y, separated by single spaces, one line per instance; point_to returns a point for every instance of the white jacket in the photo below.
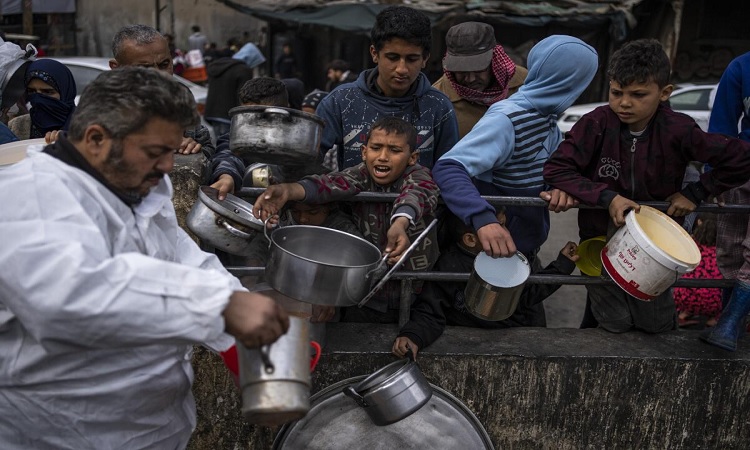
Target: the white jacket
pixel 99 308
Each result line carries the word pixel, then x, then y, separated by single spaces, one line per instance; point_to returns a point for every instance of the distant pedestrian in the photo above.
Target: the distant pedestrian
pixel 226 76
pixel 286 64
pixel 197 40
pixel 339 73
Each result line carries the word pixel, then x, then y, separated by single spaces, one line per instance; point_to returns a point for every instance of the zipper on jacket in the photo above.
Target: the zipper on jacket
pixel 632 169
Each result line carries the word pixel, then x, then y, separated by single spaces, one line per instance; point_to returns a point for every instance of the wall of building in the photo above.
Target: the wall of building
pixel 98 21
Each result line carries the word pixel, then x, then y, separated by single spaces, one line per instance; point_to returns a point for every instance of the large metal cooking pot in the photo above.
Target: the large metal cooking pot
pixel 321 265
pixel 275 135
pixel 495 286
pixel 228 224
pixel 393 392
pixel 334 422
pixel 275 380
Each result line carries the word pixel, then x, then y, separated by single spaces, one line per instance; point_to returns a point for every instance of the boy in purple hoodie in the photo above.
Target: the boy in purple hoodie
pixel 636 149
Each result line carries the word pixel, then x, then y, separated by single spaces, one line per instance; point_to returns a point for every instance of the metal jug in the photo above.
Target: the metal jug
pixel 275 380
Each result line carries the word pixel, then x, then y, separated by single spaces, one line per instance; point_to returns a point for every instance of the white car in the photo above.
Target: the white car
pixel 86 68
pixel 695 100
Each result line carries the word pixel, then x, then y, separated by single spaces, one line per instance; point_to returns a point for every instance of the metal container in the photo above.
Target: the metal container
pixel 275 380
pixel 228 225
pixel 334 422
pixel 275 135
pixel 495 286
pixel 321 265
pixel 393 392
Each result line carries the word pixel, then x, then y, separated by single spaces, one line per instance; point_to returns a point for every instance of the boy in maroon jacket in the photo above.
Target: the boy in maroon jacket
pixel 636 149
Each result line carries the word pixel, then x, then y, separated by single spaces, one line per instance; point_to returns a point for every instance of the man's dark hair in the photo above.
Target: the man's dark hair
pixel 640 61
pixel 196 28
pixel 395 125
pixel 404 23
pixel 122 101
pixel 264 91
pixel 338 64
pixel 140 34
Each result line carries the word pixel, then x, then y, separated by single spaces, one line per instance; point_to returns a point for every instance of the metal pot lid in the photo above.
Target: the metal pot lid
pixel 232 208
pixel 336 422
pixel 277 113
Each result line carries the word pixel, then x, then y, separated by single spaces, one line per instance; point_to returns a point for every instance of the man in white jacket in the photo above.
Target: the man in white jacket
pixel 102 295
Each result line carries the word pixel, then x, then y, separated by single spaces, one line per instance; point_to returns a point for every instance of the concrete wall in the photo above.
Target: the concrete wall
pixel 98 21
pixel 536 388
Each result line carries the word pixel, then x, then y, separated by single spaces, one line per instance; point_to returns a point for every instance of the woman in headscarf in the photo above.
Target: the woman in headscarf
pixel 51 91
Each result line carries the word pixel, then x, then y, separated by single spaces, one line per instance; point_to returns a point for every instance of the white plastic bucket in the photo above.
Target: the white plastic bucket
pixel 649 253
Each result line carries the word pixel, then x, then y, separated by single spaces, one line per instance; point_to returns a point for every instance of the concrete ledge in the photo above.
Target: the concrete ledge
pixel 535 388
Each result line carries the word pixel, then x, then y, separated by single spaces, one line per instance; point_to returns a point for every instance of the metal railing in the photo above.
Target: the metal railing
pixel 406 278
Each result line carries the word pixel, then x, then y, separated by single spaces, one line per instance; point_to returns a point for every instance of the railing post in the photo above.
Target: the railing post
pixel 405 304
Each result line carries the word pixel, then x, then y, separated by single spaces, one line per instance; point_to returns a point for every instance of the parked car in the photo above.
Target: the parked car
pixel 695 100
pixel 86 68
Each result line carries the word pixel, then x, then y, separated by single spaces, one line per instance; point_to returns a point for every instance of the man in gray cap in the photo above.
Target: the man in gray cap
pixel 478 72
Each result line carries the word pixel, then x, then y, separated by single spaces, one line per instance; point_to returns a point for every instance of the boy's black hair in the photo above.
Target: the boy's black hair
pixel 338 64
pixel 705 231
pixel 404 23
pixel 264 91
pixel 391 124
pixel 640 61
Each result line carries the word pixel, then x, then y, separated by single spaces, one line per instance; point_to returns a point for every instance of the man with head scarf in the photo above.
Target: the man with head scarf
pixel 225 78
pixel 477 71
pixel 51 90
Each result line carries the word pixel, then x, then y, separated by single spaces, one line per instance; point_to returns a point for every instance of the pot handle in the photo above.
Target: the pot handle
pixel 265 356
pixel 522 258
pixel 233 230
pixel 350 392
pixel 398 264
pixel 279 111
pixel 265 230
pixel 380 264
pixel 316 357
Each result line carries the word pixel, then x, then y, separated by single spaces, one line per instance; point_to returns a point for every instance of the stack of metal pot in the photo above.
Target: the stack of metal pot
pixel 284 137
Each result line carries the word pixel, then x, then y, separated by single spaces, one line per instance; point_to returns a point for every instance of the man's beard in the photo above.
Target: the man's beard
pixel 115 169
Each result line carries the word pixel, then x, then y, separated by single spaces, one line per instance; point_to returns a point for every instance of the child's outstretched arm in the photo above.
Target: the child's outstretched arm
pixel 564 265
pixel 398 240
pixel 275 197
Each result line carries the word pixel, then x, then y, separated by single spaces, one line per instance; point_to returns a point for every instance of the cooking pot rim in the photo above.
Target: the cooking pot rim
pixel 262 108
pixel 367 386
pixel 207 196
pixel 317 229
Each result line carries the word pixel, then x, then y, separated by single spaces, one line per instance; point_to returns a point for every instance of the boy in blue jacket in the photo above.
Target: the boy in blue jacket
pixel 636 149
pixel 401 41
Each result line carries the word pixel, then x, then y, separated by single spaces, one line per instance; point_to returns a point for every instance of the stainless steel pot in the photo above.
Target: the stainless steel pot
pixel 393 392
pixel 275 135
pixel 321 265
pixel 228 224
pixel 495 286
pixel 275 380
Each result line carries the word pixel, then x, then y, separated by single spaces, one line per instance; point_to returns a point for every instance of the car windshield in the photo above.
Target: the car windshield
pixel 693 100
pixel 83 76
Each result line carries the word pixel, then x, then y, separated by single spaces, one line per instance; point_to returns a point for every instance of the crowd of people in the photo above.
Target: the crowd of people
pixel 101 287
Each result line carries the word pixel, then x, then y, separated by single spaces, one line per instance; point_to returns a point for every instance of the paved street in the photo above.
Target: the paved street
pixel 564 308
